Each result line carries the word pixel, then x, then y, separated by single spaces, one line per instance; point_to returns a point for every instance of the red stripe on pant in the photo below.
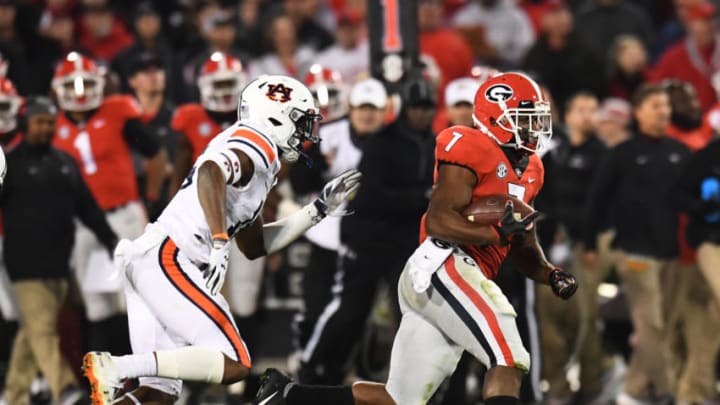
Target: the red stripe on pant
pixel 181 281
pixel 483 307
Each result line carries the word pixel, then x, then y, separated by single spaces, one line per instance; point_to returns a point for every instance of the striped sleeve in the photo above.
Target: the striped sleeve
pixel 256 145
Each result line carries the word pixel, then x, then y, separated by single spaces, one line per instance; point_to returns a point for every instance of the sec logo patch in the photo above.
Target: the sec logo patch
pixel 501 170
pixel 205 129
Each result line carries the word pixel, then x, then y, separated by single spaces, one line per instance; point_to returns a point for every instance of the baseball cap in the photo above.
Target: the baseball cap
pixel 701 11
pixel 39 105
pixel 145 60
pixel 369 91
pixel 615 109
pixel 461 90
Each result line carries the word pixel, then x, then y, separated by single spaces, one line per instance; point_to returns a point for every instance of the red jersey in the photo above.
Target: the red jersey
pixel 470 148
pixel 99 147
pixel 193 121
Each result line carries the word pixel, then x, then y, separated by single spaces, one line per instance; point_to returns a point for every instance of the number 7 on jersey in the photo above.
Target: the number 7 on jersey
pixel 456 137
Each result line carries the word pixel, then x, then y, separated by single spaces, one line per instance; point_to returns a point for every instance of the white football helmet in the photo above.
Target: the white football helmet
pixel 287 107
pixel 3 168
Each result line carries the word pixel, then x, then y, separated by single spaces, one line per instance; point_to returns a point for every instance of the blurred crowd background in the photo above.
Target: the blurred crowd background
pixel 133 91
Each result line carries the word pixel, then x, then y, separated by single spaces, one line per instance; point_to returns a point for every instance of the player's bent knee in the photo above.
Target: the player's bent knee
pixel 367 393
pixel 234 371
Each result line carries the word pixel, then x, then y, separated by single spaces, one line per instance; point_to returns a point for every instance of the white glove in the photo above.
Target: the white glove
pixel 336 192
pixel 215 272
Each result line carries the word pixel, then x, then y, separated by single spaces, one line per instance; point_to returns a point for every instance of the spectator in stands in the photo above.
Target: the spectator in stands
pixel 303 14
pixel 286 56
pixel 628 67
pixel 688 331
pixel 218 29
pixel 382 231
pixel 147 80
pixel 558 56
pixel 673 30
pixel 497 30
pixel 148 38
pixel 54 38
pixel 697 194
pixel 350 55
pixel 568 166
pixel 38 174
pixel 12 48
pixel 102 35
pixel 459 99
pixel 449 49
pixel 613 121
pixel 695 59
pixel 603 21
pixel 631 191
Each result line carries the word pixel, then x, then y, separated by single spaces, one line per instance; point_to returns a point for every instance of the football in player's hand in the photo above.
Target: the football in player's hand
pixel 488 210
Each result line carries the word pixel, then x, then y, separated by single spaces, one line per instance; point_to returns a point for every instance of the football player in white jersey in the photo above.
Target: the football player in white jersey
pixel 180 326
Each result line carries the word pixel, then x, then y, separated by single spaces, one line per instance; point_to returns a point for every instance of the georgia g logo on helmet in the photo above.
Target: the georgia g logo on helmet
pixel 499 92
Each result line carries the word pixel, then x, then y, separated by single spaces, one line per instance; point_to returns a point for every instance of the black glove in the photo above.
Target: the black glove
pixel 509 227
pixel 563 283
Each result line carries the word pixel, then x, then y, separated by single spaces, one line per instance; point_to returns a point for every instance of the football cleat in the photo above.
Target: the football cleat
pixel 103 376
pixel 272 388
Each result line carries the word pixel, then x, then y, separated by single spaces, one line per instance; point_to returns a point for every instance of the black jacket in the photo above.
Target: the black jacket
pixel 687 196
pixel 568 173
pixel 43 193
pixel 397 167
pixel 632 188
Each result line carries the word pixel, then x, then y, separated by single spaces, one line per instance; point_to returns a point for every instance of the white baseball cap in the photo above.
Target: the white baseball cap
pixel 461 90
pixel 369 91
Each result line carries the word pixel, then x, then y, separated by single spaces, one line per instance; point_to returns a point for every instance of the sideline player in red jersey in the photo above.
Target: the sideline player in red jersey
pixel 99 133
pixel 450 303
pixel 329 90
pixel 220 82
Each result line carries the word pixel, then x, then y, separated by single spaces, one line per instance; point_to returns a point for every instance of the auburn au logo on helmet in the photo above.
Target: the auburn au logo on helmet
pixel 279 92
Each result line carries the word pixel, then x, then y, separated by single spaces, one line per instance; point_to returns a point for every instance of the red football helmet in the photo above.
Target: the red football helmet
pixel 328 89
pixel 78 83
pixel 10 103
pixel 512 109
pixel 221 80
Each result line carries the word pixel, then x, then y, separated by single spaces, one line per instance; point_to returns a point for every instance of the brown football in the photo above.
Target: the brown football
pixel 488 210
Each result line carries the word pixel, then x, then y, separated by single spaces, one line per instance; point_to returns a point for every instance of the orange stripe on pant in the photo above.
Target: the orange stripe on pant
pixel 169 264
pixel 481 305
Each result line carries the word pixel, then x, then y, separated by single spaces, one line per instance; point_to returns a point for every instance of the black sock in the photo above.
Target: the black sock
pixel 299 394
pixel 501 400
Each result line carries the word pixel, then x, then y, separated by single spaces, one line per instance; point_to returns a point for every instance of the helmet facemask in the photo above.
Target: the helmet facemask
pixel 220 92
pixel 306 130
pixel 79 91
pixel 9 107
pixel 530 124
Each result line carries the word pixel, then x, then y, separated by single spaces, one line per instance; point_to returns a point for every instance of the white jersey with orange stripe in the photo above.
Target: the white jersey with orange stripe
pixel 184 220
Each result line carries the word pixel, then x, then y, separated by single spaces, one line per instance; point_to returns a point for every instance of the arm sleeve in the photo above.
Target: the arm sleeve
pixel 87 209
pixel 138 137
pixel 600 197
pixel 377 196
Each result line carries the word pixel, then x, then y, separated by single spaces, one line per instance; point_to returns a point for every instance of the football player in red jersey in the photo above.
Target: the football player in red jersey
pixel 450 303
pixel 221 79
pixel 99 133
